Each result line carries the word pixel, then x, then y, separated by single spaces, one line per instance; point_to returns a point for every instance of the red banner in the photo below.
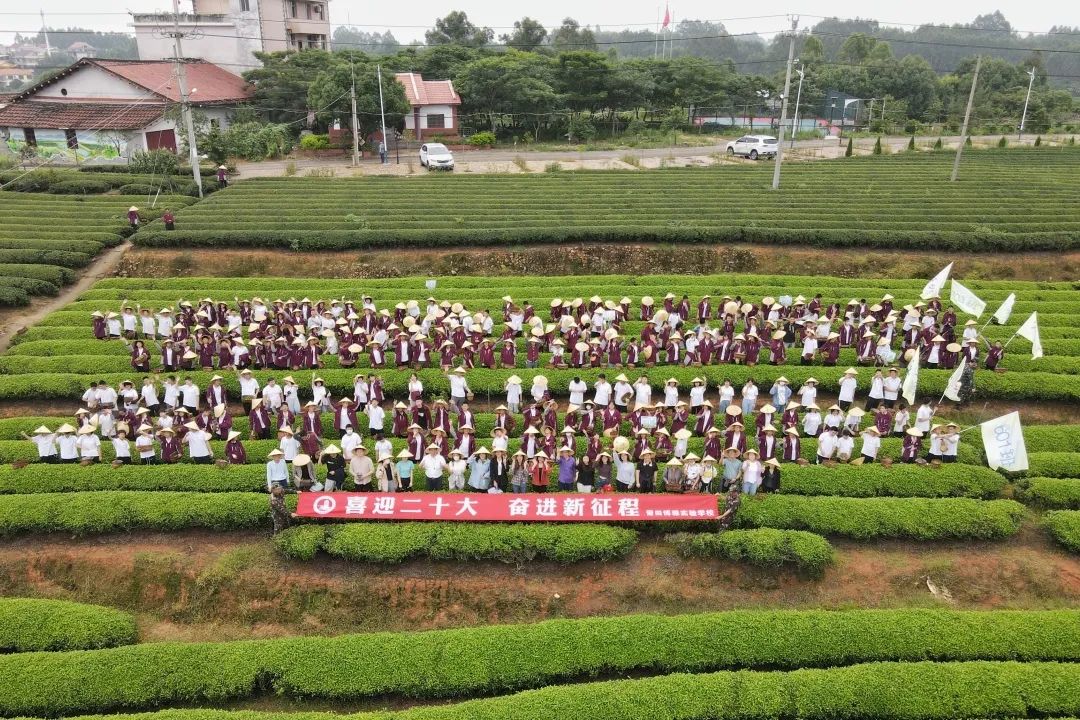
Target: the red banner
pixel 482 507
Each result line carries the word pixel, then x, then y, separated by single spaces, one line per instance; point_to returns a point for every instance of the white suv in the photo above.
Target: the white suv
pixel 436 156
pixel 753 146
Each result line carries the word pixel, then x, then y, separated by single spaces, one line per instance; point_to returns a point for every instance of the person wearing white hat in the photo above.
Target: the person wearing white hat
pixel 89 445
pixel 812 421
pixel 235 454
pixel 848 383
pixel 222 176
pixel 459 388
pixel 386 477
pixel 827 444
pixel 434 465
pixel 121 447
pixel 871 444
pixel 277 471
pixel 198 442
pixel 752 470
pixel 45 440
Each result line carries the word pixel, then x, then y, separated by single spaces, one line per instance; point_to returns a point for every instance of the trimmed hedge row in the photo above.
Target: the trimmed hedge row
pixel 1064 526
pixel 1054 464
pixel 462 662
pixel 865 518
pixel 766 547
pixel 513 543
pixel 1010 386
pixel 1053 492
pixel 952 480
pixel 28 624
pixel 100 512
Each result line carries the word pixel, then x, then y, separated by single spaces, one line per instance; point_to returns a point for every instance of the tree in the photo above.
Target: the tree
pixel 877 145
pixel 329 93
pixel 856 49
pixel 513 83
pixel 850 148
pixel 813 52
pixel 375 43
pixel 582 78
pixel 528 35
pixel 281 84
pixel 456 29
pixel 570 36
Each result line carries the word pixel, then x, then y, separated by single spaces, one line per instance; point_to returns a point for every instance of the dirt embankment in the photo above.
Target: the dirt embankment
pixel 214 586
pixel 596 259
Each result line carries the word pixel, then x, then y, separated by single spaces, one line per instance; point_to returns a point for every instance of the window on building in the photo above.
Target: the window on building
pixel 436 120
pixel 72 139
pixel 318 10
pixel 292 8
pixel 30 137
pixel 245 5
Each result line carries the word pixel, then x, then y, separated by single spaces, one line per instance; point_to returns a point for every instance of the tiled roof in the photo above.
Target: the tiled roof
pixel 79 115
pixel 210 84
pixel 428 92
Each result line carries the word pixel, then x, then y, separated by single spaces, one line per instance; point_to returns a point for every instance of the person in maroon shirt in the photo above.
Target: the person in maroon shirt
pixel 235 453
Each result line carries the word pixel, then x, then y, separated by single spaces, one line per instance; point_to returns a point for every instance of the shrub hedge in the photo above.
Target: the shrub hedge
pixel 865 518
pixel 1054 464
pixel 1052 492
pixel 1064 526
pixel 499 659
pixel 516 543
pixel 766 547
pixel 28 624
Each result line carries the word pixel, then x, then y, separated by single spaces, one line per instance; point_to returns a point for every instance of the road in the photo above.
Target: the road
pixel 511 160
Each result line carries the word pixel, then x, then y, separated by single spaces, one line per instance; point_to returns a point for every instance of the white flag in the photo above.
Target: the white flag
pixel 1030 330
pixel 1003 440
pixel 937 283
pixel 1003 312
pixel 952 390
pixel 966 300
pixel 911 379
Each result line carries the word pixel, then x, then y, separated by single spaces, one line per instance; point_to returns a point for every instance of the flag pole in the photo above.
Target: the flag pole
pixel 656 37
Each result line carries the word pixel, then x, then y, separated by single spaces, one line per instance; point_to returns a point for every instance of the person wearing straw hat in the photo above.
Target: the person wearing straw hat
pixel 513 394
pixel 519 473
pixel 88 444
pixel 198 443
pixel 361 469
pixel 752 471
pixel 871 444
pixel 45 440
pixel 456 467
pixel 235 454
pixel 731 468
pixel 144 445
pixel 792 445
pixel 912 446
pixel 827 444
pixel 433 465
pixel 133 217
pixel 222 176
pixel 647 471
pixel 335 468
pixel 480 470
pixel 277 471
pixel 170 445
pixel 540 470
pixel 385 473
pixel 674 478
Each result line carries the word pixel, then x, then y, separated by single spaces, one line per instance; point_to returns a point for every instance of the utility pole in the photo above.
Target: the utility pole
pixel 967 117
pixel 185 99
pixel 1023 118
pixel 783 105
pixel 45 32
pixel 382 111
pixel 798 97
pixel 353 127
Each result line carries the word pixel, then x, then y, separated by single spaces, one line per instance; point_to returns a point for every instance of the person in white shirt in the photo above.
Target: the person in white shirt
pixel 456 470
pixel 319 395
pixel 360 390
pixel 89 444
pixel 130 321
pixel 577 389
pixel 513 394
pixel 45 440
pixel 623 392
pixel 602 394
pixel 498 440
pixel 877 390
pixel 189 396
pixel 116 328
pixel 950 443
pixel 848 383
pixel 106 423
pixel 144 445
pixel 68 443
pixel 164 323
pixel 871 444
pixel 433 465
pixel 106 396
pixel 376 417
pixel 812 421
pixel 642 392
pixel 198 442
pixel 121 447
pixel 249 388
pixel 891 388
pixel 671 392
pixel 277 471
pixel 171 393
pixel 835 419
pixel 349 442
pixel 383 446
pixel 459 388
pixel 749 397
pixel 697 394
pixel 291 392
pixel 726 392
pixel 272 395
pixel 900 421
pixel 539 388
pixel 923 416
pixel 751 473
pixel 826 447
pixel 287 444
pixel 147 324
pixel 845 445
pixel 90 397
pixel 149 396
pixel 808 392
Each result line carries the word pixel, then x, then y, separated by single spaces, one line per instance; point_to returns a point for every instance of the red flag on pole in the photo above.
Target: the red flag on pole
pixel 667 17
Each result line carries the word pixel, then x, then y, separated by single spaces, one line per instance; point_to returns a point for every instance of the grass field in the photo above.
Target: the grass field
pixel 45 239
pixel 1006 201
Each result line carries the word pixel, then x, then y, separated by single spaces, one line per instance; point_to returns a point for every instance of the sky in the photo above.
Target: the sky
pixel 408 20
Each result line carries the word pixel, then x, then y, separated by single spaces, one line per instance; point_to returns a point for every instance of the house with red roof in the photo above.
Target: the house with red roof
pixel 110 108
pixel 434 106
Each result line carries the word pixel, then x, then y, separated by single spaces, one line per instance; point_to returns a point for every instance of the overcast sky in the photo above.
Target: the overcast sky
pixel 402 18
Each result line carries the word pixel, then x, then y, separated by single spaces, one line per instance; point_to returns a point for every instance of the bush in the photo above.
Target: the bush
pixel 506 658
pixel 865 518
pixel 481 139
pixel 315 142
pixel 300 542
pixel 937 144
pixel 137 189
pixel 1053 492
pixel 850 148
pixel 516 543
pixel 87 186
pixel 1038 140
pixel 154 162
pixel 1003 142
pixel 28 625
pixel 1053 464
pixel 765 547
pixel 911 143
pixel 877 146
pixel 1064 526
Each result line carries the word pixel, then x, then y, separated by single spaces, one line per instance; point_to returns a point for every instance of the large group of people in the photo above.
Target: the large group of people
pixel 303 334
pixel 611 434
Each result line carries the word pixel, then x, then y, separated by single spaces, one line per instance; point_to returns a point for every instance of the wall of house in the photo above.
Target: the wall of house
pixel 447 111
pixel 92 83
pixel 236 56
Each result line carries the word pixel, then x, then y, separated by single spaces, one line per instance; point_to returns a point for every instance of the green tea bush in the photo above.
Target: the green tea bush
pixel 804 551
pixel 507 658
pixel 28 624
pixel 1052 492
pixel 1064 526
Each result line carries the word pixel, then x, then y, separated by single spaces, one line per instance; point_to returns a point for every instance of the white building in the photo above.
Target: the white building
pixel 109 108
pixel 434 106
pixel 230 32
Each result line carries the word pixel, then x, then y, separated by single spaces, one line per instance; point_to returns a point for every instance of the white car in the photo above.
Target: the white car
pixel 753 146
pixel 436 156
